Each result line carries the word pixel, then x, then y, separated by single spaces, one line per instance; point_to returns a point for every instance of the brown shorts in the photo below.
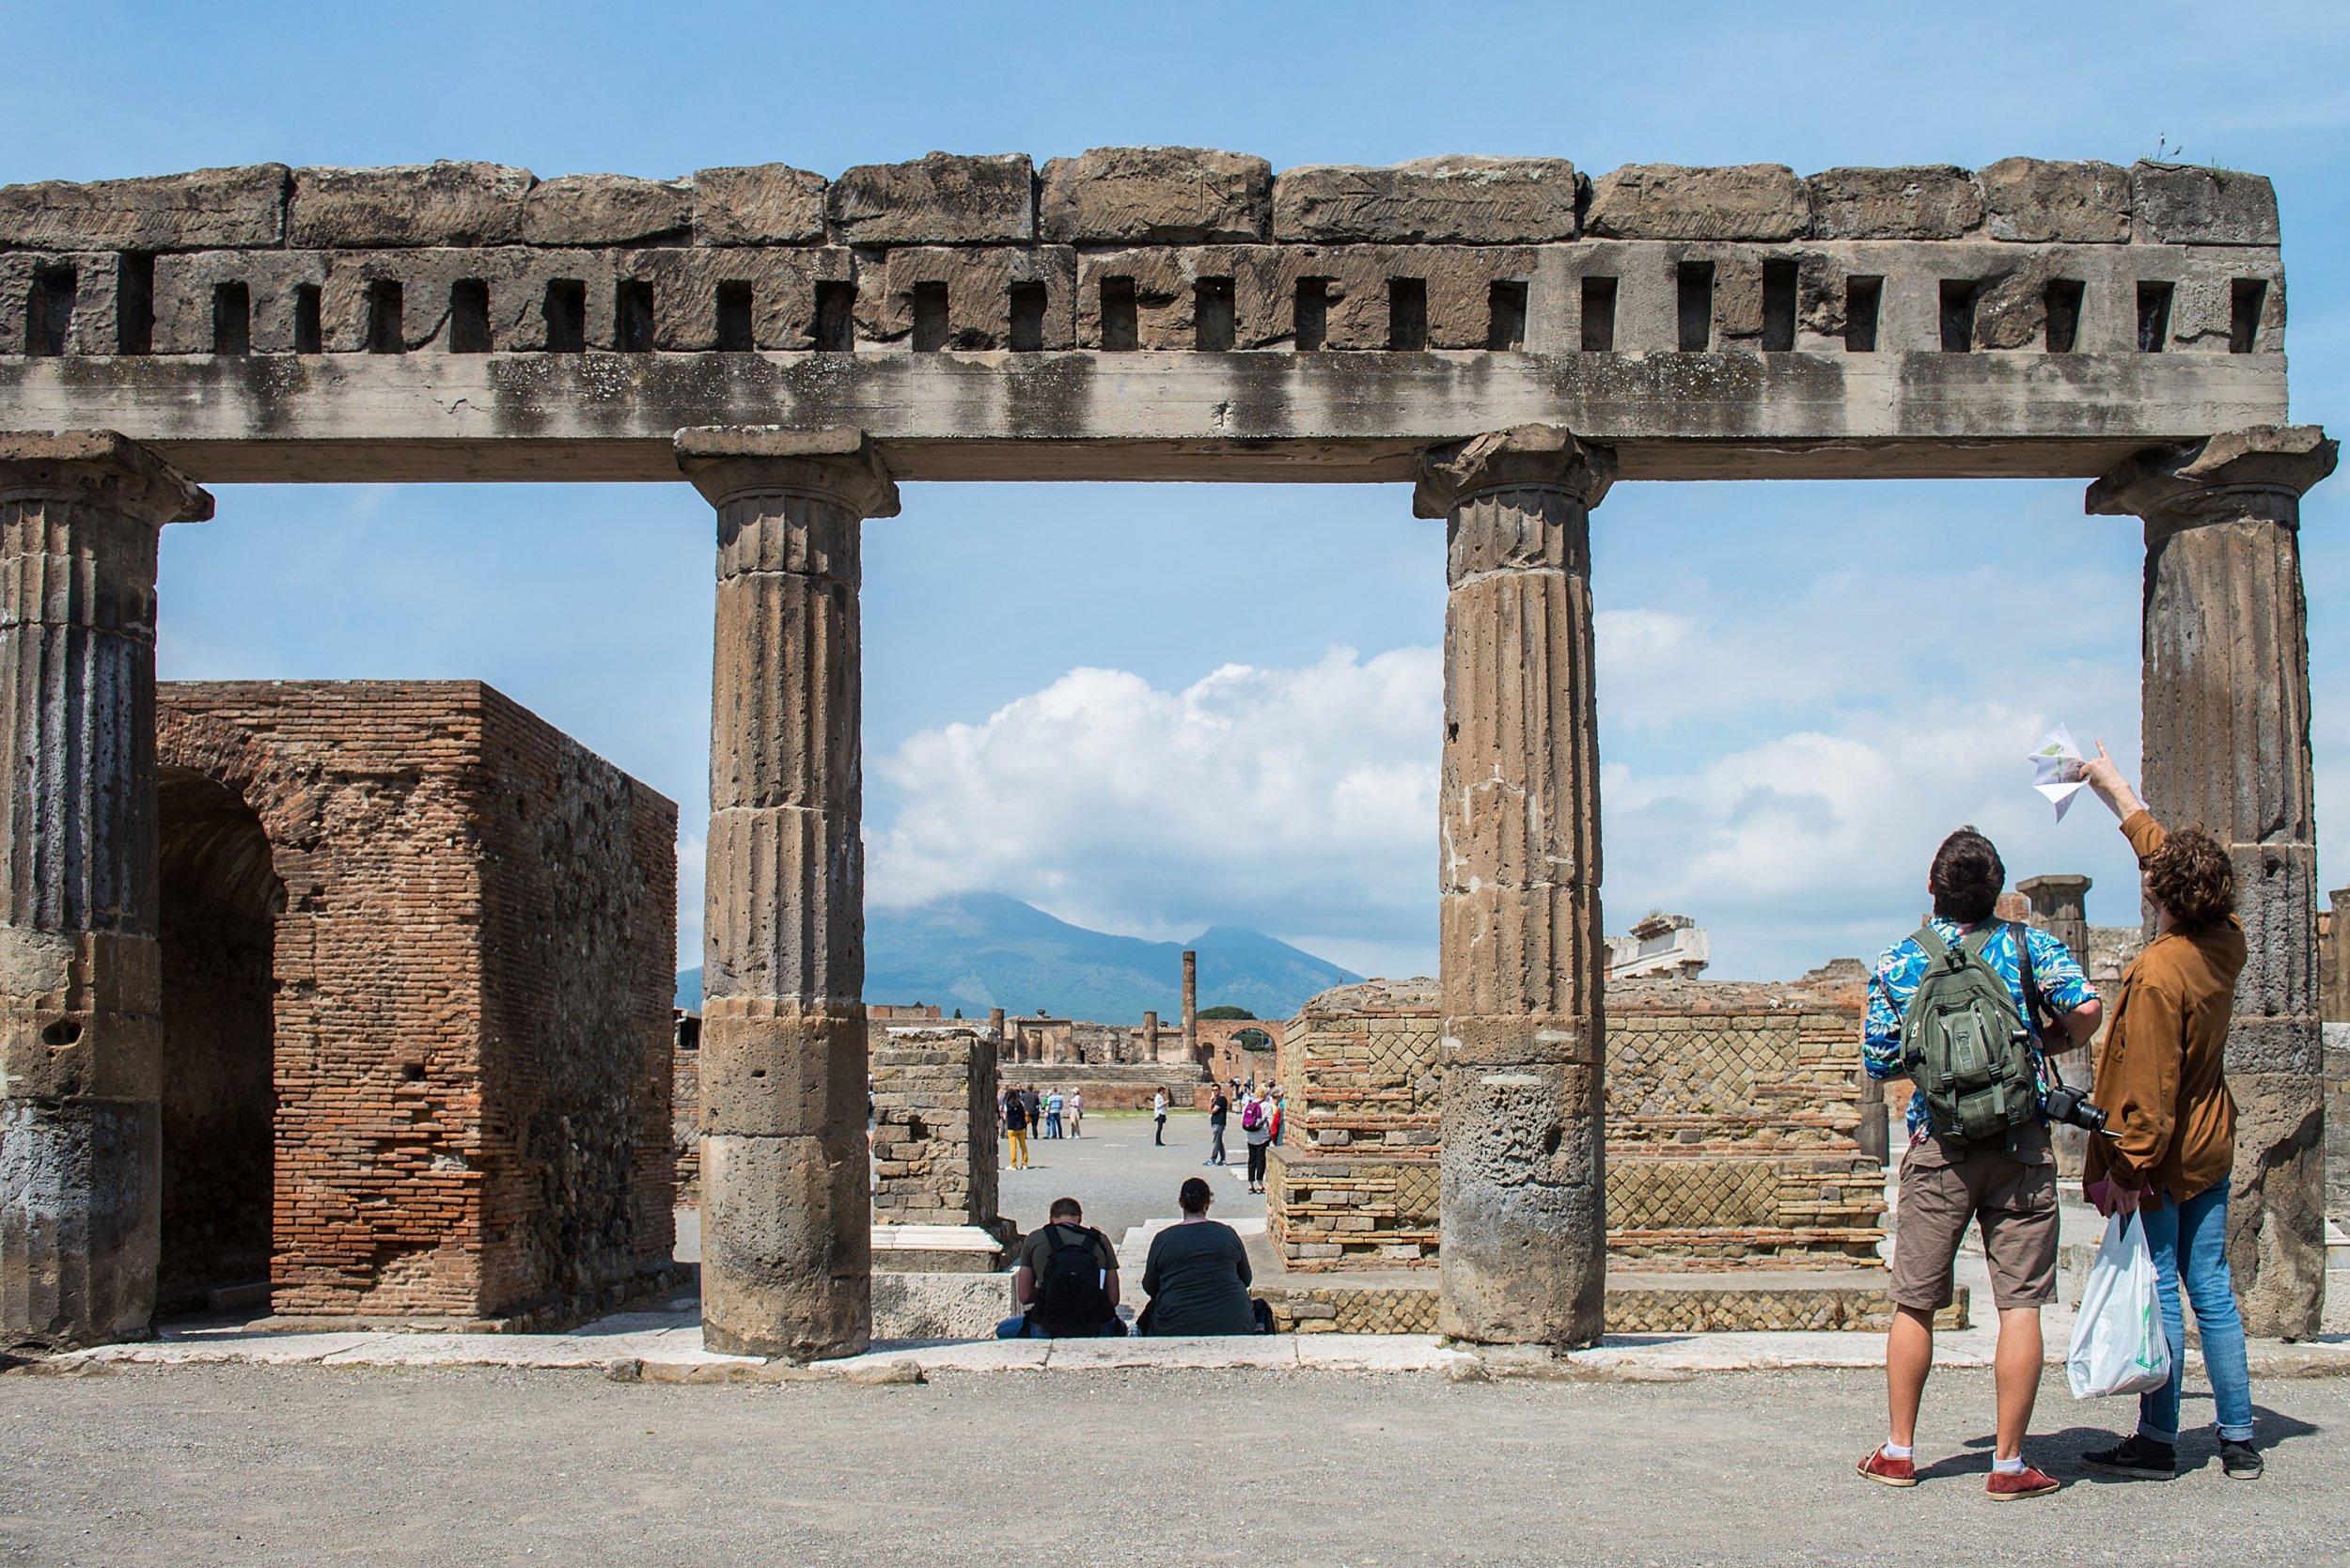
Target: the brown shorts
pixel 1946 1187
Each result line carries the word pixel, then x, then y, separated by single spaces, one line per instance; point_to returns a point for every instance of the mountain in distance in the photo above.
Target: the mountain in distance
pixel 978 950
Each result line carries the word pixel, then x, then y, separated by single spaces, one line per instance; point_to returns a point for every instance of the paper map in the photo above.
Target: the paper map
pixel 2057 769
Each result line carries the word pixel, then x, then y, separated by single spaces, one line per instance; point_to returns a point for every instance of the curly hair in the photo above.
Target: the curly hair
pixel 1966 877
pixel 2192 877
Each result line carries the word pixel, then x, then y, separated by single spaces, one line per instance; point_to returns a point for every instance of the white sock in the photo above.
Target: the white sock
pixel 2007 1467
pixel 1897 1451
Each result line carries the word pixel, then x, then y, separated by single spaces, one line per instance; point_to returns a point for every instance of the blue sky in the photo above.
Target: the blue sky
pixel 1155 709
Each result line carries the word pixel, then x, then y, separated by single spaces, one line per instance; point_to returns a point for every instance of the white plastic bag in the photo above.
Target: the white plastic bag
pixel 2118 1343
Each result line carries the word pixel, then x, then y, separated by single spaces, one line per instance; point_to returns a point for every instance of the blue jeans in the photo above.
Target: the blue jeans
pixel 2189 1240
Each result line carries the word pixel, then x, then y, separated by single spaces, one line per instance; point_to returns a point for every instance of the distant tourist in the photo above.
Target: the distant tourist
pixel 1052 1113
pixel 1197 1275
pixel 1256 1125
pixel 1016 1128
pixel 1067 1282
pixel 1158 1119
pixel 1940 1003
pixel 1217 1109
pixel 1076 1112
pixel 1035 1103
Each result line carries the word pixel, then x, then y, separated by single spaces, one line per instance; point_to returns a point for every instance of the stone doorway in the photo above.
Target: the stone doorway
pixel 219 905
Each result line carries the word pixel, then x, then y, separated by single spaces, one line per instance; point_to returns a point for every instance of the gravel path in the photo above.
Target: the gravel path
pixel 316 1467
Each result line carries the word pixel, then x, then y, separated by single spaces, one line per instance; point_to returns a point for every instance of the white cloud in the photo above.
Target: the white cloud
pixel 1292 800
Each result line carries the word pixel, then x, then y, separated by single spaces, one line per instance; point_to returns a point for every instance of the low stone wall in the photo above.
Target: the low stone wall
pixel 1733 1111
pixel 1733 1116
pixel 932 1093
pixel 1354 1182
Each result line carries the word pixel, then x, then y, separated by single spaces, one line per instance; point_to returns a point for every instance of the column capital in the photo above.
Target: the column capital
pixel 2259 474
pixel 1545 457
pixel 2046 892
pixel 103 468
pixel 838 464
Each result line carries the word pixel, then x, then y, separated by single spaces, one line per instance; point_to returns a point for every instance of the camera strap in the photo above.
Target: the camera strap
pixel 2036 1009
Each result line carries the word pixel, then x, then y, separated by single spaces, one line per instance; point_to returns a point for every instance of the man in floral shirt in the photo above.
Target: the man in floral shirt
pixel 2007 1185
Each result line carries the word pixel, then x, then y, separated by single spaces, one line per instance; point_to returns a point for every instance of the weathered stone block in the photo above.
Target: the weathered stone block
pixel 2277 1204
pixel 782 285
pixel 941 200
pixel 80 1205
pixel 760 204
pixel 1667 201
pixel 788 1071
pixel 1185 196
pixel 431 204
pixel 2180 205
pixel 1929 202
pixel 208 208
pixel 979 283
pixel 787 1247
pixel 603 209
pixel 184 296
pixel 1464 200
pixel 2036 199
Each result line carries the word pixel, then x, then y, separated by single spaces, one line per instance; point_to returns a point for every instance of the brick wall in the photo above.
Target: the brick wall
pixel 471 994
pixel 935 1156
pixel 685 1110
pixel 1732 1115
pixel 1354 1182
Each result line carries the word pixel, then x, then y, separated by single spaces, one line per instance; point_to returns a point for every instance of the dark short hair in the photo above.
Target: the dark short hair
pixel 2192 877
pixel 1966 877
pixel 1195 1196
pixel 1067 1208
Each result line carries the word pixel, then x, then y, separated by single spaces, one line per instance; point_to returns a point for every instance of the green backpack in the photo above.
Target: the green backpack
pixel 1964 1043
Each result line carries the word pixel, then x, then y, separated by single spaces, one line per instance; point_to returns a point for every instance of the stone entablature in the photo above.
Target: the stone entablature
pixel 1164 249
pixel 1154 251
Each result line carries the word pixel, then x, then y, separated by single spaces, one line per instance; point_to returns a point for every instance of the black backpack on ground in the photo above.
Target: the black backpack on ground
pixel 1069 1299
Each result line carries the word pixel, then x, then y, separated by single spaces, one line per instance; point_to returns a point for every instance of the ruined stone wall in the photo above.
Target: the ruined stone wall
pixel 579 943
pixel 472 995
pixel 1733 1116
pixel 935 1146
pixel 1149 248
pixel 685 1110
pixel 1226 1058
pixel 1354 1182
pixel 1733 1112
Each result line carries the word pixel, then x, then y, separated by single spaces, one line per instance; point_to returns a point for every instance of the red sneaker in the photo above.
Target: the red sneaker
pixel 1882 1467
pixel 2025 1482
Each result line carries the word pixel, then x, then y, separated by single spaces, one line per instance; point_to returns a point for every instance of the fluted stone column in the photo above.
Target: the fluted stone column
pixel 2226 698
pixel 787 1248
pixel 81 1025
pixel 1525 1223
pixel 1191 1006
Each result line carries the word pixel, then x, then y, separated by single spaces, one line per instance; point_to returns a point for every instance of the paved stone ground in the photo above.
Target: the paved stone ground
pixel 1122 1180
pixel 256 1465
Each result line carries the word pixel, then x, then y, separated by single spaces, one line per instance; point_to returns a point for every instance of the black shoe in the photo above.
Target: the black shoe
pixel 2242 1461
pixel 2138 1457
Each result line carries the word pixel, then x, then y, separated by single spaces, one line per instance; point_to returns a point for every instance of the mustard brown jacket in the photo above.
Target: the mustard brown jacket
pixel 2159 1078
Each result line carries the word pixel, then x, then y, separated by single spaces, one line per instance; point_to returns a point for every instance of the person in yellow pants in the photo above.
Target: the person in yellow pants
pixel 1016 1129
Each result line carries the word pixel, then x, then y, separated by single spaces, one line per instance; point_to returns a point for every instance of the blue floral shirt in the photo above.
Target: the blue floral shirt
pixel 1903 966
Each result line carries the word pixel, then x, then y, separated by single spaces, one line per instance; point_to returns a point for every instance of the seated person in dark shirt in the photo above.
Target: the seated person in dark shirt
pixel 1197 1275
pixel 1067 1281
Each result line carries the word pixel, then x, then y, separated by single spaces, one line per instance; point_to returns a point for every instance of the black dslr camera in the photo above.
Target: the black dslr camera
pixel 2063 1103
